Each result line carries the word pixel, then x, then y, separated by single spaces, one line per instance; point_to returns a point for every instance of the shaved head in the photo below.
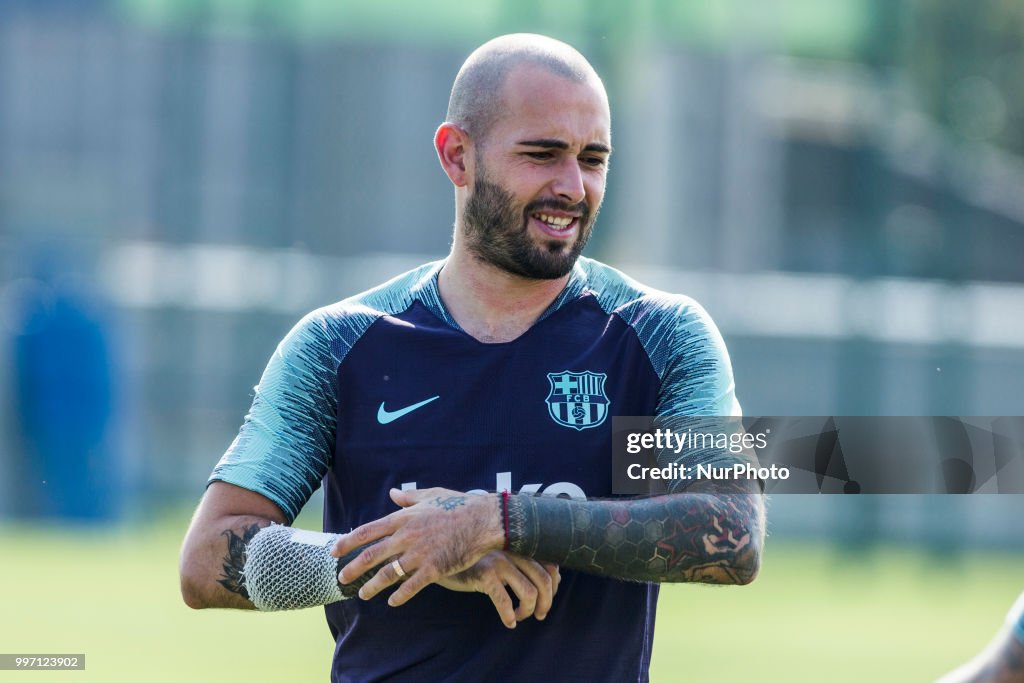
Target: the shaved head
pixel 476 102
pixel 526 144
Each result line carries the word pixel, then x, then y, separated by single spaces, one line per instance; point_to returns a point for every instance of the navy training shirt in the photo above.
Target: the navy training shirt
pixel 384 390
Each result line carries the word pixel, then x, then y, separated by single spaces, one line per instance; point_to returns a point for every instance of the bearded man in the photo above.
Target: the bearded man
pixel 459 420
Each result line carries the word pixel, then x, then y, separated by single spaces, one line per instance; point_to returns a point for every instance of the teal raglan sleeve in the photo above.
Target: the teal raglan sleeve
pixel 683 344
pixel 697 390
pixel 697 374
pixel 687 353
pixel 286 443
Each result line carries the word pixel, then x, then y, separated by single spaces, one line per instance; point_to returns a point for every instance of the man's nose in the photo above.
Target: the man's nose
pixel 569 183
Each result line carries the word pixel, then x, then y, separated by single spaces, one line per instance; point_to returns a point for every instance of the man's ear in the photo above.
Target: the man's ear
pixel 453 147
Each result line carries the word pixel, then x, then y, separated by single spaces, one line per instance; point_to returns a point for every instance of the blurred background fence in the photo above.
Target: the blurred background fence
pixel 841 184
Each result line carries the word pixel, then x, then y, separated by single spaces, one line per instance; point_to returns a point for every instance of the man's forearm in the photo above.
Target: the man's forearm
pixel 703 537
pixel 213 569
pixel 212 560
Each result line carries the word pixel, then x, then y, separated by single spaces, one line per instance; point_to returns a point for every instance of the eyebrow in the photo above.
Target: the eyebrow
pixel 562 144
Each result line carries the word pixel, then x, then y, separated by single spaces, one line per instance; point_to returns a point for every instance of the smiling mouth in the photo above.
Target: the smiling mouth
pixel 557 226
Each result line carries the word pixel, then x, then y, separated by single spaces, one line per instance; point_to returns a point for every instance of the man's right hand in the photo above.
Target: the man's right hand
pixel 534 584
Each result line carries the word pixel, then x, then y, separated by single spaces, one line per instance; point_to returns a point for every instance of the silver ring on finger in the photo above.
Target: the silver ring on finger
pixel 397 567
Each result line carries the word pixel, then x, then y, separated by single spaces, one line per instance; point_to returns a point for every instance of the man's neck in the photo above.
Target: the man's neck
pixel 490 304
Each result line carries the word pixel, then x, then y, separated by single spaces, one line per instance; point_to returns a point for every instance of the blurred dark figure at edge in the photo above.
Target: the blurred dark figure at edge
pixel 63 396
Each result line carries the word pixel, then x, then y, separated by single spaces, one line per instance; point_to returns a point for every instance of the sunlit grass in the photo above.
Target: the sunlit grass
pixel 813 614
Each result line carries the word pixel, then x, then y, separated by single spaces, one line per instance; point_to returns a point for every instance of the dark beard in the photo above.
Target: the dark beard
pixel 497 234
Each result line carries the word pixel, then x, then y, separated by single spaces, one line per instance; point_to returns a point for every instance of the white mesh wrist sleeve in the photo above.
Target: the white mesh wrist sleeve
pixel 288 568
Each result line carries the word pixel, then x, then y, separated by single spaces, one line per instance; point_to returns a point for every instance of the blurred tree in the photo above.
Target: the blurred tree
pixel 965 60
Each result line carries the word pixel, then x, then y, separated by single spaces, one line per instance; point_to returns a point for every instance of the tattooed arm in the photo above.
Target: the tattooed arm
pixel 229 517
pixel 214 551
pixel 707 535
pixel 703 535
pixel 213 554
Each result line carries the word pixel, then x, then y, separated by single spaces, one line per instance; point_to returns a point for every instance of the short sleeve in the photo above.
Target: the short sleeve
pixel 697 377
pixel 686 352
pixel 697 392
pixel 285 445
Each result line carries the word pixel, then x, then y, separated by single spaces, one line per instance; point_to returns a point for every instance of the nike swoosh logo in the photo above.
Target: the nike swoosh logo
pixel 386 416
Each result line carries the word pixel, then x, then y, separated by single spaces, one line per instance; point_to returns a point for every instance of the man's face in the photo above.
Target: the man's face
pixel 539 175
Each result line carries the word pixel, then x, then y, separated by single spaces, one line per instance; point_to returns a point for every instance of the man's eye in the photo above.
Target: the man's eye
pixel 539 155
pixel 594 161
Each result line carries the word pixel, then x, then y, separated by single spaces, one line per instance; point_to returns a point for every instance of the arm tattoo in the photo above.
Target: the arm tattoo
pixel 706 537
pixel 449 503
pixel 231 577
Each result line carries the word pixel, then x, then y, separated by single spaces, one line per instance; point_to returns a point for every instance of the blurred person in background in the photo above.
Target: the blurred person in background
pixel 500 364
pixel 65 392
pixel 1002 661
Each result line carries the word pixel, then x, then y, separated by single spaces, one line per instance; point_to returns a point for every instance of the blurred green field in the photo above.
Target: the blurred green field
pixel 812 615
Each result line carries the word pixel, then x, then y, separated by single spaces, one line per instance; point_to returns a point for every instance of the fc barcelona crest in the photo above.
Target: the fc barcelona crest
pixel 577 399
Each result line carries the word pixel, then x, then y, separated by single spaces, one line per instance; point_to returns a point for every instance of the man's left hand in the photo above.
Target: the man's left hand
pixel 533 583
pixel 438 533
